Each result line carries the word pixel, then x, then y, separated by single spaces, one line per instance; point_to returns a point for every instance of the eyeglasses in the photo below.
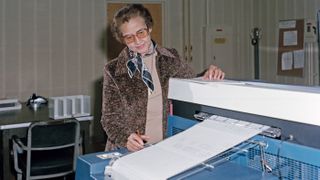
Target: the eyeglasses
pixel 142 33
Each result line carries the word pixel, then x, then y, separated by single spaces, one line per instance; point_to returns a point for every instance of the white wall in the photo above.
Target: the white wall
pixel 239 16
pixel 50 47
pixel 242 16
pixel 53 47
pixel 267 15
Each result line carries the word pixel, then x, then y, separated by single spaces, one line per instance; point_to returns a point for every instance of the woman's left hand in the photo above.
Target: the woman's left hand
pixel 213 73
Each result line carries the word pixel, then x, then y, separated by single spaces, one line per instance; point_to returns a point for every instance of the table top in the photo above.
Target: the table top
pixel 24 116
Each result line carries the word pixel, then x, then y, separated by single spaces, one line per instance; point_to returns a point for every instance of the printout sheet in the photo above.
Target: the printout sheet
pixel 182 151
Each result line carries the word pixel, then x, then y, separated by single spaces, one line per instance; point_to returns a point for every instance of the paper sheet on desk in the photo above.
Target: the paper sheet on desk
pixel 181 152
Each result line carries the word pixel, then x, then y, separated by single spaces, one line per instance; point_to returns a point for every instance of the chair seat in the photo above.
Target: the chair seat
pixel 49 162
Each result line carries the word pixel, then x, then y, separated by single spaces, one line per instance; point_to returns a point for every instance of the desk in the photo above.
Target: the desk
pixel 16 123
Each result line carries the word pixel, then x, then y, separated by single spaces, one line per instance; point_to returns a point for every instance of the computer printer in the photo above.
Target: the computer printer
pixel 291 108
pixel 286 147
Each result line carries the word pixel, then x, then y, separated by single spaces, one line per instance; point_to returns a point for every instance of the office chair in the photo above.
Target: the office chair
pixel 50 150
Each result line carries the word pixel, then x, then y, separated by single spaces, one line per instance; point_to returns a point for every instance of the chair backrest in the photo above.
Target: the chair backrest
pixel 53 135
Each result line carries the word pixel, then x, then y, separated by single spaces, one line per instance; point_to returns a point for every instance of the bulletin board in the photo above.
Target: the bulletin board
pixel 291 48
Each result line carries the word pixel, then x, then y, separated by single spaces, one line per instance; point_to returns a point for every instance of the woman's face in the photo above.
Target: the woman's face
pixel 136 35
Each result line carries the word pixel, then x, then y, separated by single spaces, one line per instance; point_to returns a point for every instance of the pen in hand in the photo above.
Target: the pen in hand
pixel 140 135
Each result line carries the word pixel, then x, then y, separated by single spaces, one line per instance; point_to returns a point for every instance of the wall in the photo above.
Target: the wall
pixel 187 20
pixel 238 15
pixel 56 47
pixel 50 47
pixel 242 16
pixel 267 15
pixel 53 48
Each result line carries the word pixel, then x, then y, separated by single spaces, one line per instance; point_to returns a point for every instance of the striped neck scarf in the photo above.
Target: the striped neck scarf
pixel 135 63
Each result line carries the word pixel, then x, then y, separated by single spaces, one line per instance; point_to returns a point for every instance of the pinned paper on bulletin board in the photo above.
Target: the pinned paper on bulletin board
pixel 291 48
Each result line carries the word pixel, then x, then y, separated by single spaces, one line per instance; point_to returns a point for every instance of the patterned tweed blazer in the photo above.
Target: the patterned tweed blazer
pixel 125 99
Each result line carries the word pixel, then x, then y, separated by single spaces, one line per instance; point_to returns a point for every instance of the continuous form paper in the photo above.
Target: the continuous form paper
pixel 182 151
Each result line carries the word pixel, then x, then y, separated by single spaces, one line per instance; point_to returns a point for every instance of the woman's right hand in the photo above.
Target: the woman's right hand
pixel 135 142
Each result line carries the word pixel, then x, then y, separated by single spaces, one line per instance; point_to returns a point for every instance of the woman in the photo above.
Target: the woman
pixel 135 105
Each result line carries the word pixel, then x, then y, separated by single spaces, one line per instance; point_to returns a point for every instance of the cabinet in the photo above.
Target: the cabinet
pixel 194 20
pixel 184 24
pixel 189 28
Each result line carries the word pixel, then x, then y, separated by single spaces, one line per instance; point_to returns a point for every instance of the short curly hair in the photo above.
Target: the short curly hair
pixel 127 12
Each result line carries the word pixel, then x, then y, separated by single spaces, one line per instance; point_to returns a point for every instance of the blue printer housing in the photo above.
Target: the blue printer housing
pixel 293 155
pixel 287 160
